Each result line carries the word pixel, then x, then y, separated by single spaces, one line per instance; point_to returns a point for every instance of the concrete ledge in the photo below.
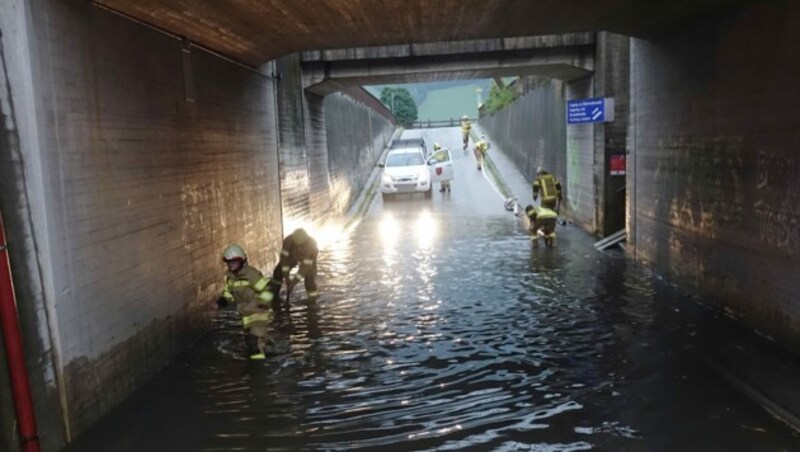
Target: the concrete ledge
pixel 360 206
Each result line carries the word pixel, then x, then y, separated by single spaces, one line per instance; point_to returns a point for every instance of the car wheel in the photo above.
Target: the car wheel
pixel 429 193
pixel 387 197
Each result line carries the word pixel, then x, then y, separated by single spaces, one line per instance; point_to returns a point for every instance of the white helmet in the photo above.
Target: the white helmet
pixel 539 170
pixel 464 118
pixel 233 252
pixel 436 146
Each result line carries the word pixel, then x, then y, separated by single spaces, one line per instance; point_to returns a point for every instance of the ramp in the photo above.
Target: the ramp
pixel 611 240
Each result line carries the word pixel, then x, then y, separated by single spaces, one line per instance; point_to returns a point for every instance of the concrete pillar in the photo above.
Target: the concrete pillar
pixel 611 79
pixel 317 148
pixel 292 148
pixel 595 198
pixel 305 182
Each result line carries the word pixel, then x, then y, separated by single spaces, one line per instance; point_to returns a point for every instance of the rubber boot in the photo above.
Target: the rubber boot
pixel 277 301
pixel 254 352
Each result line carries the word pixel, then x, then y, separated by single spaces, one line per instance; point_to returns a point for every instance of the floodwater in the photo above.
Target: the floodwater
pixel 440 328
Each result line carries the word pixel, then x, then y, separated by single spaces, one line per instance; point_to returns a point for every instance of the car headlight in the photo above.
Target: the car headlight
pixel 387 178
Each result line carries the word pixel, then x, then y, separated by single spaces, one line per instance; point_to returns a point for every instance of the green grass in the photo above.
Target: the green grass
pixel 450 103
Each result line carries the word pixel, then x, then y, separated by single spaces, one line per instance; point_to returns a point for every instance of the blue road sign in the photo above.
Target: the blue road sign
pixel 598 109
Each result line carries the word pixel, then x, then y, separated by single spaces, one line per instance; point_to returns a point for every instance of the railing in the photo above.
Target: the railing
pixel 452 122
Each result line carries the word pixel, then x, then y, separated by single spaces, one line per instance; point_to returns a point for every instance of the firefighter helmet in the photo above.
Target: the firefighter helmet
pixel 234 252
pixel 300 236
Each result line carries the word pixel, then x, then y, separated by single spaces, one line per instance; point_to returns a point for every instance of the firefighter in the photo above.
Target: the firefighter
pixel 544 220
pixel 248 289
pixel 441 158
pixel 299 249
pixel 481 148
pixel 466 126
pixel 550 189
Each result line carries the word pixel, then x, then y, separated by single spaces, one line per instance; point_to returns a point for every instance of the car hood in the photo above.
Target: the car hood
pixel 405 171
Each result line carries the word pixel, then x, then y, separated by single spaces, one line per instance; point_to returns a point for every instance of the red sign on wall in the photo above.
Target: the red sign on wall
pixel 618 165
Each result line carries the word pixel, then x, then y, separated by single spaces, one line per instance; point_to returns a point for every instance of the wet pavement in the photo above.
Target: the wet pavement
pixel 440 328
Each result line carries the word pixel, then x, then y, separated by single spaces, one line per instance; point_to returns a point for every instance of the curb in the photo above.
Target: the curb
pixel 495 173
pixel 359 208
pixel 775 408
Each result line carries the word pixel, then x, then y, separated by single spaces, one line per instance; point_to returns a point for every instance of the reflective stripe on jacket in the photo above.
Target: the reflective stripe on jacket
pixel 248 289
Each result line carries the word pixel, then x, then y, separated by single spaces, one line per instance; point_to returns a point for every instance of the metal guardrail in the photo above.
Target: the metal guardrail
pixel 452 122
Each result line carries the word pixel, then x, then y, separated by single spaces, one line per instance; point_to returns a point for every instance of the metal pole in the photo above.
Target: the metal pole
pixel 12 338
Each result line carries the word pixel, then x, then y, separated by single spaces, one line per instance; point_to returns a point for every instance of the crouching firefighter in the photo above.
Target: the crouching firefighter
pixel 544 220
pixel 299 249
pixel 249 290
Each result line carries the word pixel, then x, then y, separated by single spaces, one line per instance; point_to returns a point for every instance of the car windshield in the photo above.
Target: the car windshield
pixel 404 160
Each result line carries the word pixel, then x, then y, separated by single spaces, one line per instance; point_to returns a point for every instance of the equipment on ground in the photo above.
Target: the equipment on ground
pixel 613 239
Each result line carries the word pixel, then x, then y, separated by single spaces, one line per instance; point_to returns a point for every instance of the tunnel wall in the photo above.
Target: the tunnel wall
pixel 715 196
pixel 356 136
pixel 328 147
pixel 293 147
pixel 531 130
pixel 151 161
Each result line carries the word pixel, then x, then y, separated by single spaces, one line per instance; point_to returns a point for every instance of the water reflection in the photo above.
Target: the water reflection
pixel 426 228
pixel 438 333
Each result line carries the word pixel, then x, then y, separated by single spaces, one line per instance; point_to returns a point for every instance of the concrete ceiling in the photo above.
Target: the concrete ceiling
pixel 256 31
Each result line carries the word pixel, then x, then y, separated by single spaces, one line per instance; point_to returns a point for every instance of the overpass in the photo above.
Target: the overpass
pixel 137 130
pixel 565 57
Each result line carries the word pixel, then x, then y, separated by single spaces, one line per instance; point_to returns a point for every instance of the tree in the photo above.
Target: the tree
pixel 499 97
pixel 401 104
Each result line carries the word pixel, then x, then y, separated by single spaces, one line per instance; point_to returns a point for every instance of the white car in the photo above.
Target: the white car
pixel 407 171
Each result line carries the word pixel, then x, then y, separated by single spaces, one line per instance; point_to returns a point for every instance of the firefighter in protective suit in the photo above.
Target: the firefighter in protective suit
pixel 298 249
pixel 466 126
pixel 550 189
pixel 440 158
pixel 544 220
pixel 248 289
pixel 481 148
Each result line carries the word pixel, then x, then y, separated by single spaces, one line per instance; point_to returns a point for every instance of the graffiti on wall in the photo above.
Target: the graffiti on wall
pixel 778 201
pixel 698 184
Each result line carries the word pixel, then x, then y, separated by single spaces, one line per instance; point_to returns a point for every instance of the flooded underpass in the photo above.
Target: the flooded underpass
pixel 441 328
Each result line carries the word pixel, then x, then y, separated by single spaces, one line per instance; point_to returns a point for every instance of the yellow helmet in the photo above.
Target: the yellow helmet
pixel 233 252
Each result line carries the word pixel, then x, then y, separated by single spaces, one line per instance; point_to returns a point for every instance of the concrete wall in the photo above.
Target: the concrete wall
pixel 141 189
pixel 715 195
pixel 579 185
pixel 356 136
pixel 532 131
